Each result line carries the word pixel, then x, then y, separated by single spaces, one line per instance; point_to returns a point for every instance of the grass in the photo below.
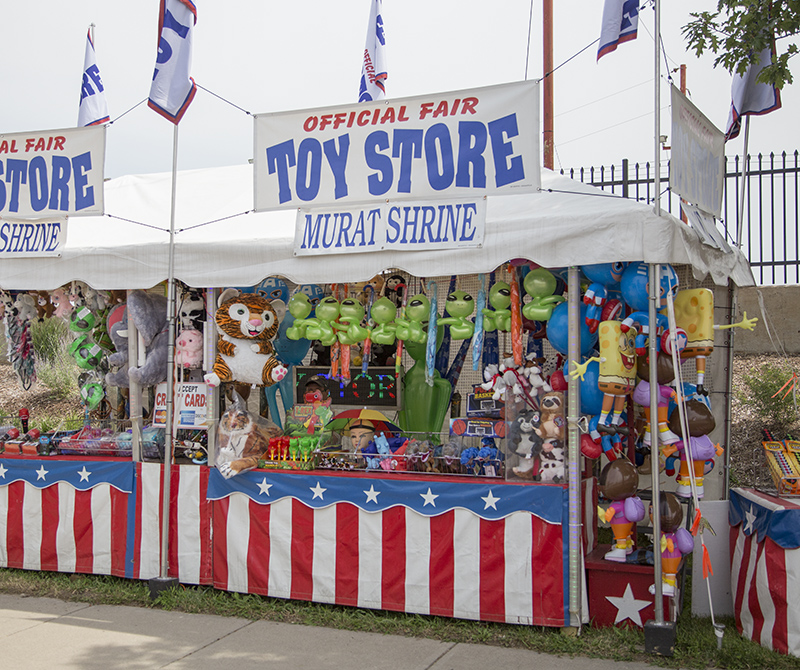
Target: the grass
pixel 695 648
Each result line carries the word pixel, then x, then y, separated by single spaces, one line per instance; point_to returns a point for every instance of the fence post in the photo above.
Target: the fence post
pixel 624 177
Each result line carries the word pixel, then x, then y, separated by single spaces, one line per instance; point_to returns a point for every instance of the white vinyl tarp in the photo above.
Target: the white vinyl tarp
pixel 220 241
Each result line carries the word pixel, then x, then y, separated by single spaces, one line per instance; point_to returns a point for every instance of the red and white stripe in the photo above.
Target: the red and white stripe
pixel 765 585
pixel 60 528
pixel 455 564
pixel 189 553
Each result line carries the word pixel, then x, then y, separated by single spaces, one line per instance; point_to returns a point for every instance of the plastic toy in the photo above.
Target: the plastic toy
pixel 619 482
pixel 675 542
pixel 540 284
pixel 247 324
pixel 460 306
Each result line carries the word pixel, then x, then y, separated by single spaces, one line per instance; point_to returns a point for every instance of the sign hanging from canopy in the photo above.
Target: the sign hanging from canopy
pixel 463 144
pixel 52 172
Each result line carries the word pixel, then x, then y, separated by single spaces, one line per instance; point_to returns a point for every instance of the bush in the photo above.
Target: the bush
pixel 48 337
pixel 55 368
pixel 777 411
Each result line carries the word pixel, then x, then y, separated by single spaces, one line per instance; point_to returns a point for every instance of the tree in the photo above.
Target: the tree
pixel 739 30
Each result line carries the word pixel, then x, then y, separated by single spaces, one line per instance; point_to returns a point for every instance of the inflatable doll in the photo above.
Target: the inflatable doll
pixel 617 374
pixel 605 278
pixel 540 284
pixel 499 317
pixel 700 449
pixel 321 326
pixel 383 313
pixel 619 482
pixel 348 327
pixel 675 542
pixel 410 327
pixel 460 306
pixel 694 313
pixel 635 291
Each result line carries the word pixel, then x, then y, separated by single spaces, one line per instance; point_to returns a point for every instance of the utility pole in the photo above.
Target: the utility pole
pixel 547 110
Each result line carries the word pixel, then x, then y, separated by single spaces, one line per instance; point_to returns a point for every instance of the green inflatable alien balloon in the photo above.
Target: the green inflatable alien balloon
pixel 424 406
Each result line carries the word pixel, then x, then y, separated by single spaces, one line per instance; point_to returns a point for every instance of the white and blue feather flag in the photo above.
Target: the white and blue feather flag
pixel 373 68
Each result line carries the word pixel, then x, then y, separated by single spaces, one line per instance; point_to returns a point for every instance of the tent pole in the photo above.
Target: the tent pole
pixel 740 218
pixel 574 451
pixel 164 582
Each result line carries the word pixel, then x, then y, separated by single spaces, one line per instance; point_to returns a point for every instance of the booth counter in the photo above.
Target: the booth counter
pixel 457 547
pixel 765 568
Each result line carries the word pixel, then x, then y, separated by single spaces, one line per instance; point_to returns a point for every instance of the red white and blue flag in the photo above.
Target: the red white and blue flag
pixel 173 90
pixel 750 97
pixel 93 109
pixel 620 23
pixel 373 68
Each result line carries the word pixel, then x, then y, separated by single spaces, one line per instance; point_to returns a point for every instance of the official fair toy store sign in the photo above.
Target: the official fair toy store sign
pixel 410 173
pixel 52 172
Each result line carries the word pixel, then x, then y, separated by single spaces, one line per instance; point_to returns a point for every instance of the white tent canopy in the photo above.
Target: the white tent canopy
pixel 220 242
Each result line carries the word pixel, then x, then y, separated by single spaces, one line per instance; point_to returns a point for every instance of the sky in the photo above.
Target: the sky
pixel 269 56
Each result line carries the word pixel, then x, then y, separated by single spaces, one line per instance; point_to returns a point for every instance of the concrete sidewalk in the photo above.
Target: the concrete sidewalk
pixel 47 633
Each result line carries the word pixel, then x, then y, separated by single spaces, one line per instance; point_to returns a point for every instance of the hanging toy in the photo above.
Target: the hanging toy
pixel 540 284
pixel 694 314
pixel 499 317
pixel 516 320
pixel 635 286
pixel 675 541
pixel 411 325
pixel 617 374
pixel 619 482
pixel 460 306
pixel 383 313
pixel 367 350
pixel 433 330
pixel 605 278
pixel 321 328
pixel 477 338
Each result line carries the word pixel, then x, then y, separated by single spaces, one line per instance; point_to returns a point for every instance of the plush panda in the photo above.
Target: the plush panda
pixel 192 312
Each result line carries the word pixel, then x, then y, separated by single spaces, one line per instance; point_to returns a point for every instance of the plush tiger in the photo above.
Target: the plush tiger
pixel 247 323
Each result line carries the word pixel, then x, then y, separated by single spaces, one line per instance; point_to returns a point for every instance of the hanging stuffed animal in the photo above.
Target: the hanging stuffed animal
pixel 247 324
pixel 148 312
pixel 60 301
pixel 189 349
pixel 192 311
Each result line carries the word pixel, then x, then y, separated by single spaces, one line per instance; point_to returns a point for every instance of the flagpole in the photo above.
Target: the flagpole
pixel 740 217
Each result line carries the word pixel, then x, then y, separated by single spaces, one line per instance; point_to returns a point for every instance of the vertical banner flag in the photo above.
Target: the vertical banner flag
pixel 373 69
pixel 749 97
pixel 173 90
pixel 620 22
pixel 697 166
pixel 93 110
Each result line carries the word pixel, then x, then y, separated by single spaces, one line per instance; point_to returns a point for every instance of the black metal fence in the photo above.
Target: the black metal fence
pixel 771 209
